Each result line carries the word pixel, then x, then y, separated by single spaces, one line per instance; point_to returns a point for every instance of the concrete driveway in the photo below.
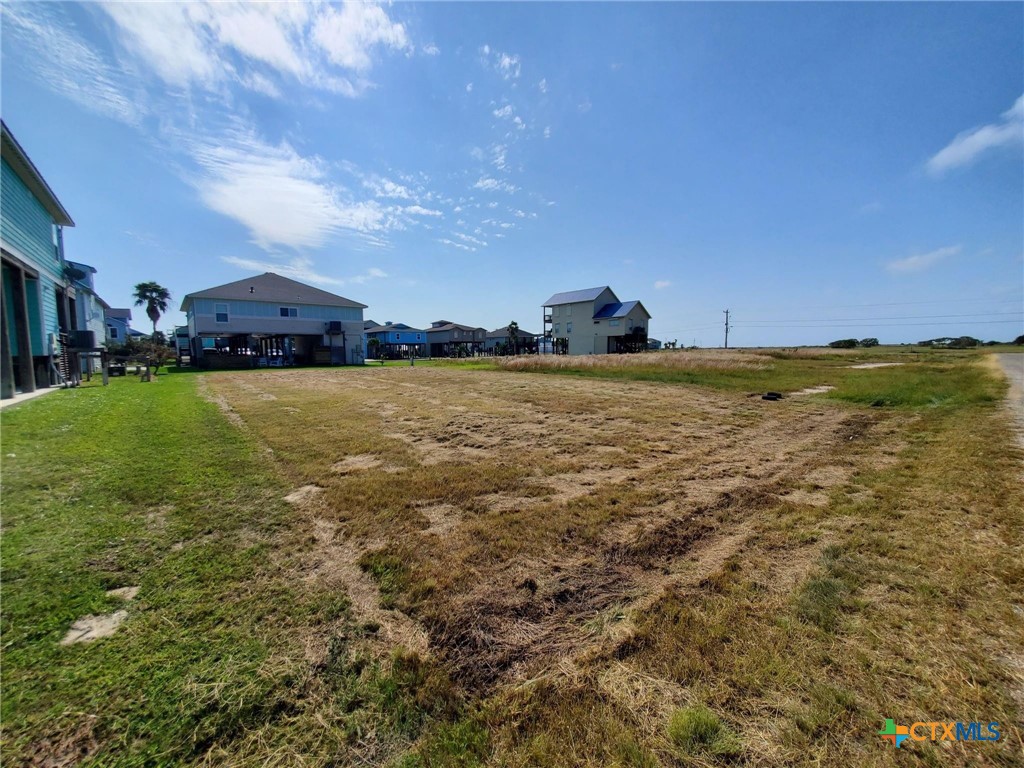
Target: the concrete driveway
pixel 1013 365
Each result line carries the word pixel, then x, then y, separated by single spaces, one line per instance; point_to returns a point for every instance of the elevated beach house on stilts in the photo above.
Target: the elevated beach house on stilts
pixel 269 320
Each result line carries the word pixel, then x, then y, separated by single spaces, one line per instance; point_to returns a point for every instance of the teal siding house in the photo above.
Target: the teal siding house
pixel 38 299
pixel 269 320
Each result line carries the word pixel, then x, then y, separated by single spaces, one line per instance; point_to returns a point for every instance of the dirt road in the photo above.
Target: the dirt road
pixel 1013 365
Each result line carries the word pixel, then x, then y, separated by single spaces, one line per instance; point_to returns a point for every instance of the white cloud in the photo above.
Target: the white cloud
pixel 470 239
pixel 493 185
pixel 431 50
pixel 505 111
pixel 383 187
pixel 349 35
pixel 469 87
pixel 281 197
pixel 418 210
pixel 302 268
pixel 921 262
pixel 659 284
pixel 453 244
pixel 543 85
pixel 519 122
pixel 69 67
pixel 505 64
pixel 969 145
pixel 499 156
pixel 210 44
pixel 584 107
pixel 547 132
pixel 508 66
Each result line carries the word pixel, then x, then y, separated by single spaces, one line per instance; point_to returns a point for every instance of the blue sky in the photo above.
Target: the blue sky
pixel 824 171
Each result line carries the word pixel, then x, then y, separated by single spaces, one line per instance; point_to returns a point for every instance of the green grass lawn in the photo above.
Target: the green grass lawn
pixel 149 485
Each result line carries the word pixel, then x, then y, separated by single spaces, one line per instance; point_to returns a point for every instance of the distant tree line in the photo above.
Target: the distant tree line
pixel 851 343
pixel 943 342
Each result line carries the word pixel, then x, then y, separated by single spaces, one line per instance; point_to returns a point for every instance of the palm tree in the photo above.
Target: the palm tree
pixel 155 297
pixel 513 337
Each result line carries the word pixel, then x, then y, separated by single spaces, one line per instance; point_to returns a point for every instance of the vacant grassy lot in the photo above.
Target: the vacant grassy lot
pixel 451 566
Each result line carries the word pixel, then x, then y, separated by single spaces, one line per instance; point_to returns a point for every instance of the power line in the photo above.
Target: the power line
pixel 872 319
pixel 878 325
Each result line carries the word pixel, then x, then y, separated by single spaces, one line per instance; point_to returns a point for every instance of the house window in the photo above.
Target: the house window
pixel 419 336
pixel 613 322
pixel 398 337
pixel 221 312
pixel 568 327
pixel 558 328
pixel 113 331
pixel 631 323
pixel 289 312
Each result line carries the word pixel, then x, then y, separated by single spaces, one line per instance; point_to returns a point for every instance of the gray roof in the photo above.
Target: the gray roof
pixel 619 309
pixel 272 288
pixel 19 160
pixel 370 324
pixel 120 314
pixel 571 297
pixel 451 326
pixel 400 327
pixel 502 333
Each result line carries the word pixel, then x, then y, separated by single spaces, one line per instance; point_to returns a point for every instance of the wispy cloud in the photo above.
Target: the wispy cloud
pixel 65 64
pixel 659 284
pixel 431 50
pixel 453 244
pixel 303 269
pixel 419 210
pixel 970 145
pixel 505 111
pixel 542 86
pixel 505 64
pixel 488 184
pixel 922 261
pixel 281 197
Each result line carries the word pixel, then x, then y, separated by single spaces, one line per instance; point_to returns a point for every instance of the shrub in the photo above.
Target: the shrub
pixel 869 342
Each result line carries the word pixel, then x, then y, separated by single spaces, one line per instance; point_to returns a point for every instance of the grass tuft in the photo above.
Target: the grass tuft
pixel 697 730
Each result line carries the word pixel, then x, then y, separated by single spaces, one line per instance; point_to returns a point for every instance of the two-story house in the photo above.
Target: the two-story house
pixel 37 298
pixel 273 320
pixel 395 340
pixel 448 339
pixel 594 322
pixel 118 321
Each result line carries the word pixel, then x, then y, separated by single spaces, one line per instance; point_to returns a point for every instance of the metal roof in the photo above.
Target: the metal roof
pixel 22 165
pixel 502 333
pixel 118 313
pixel 571 297
pixel 618 309
pixel 400 327
pixel 451 326
pixel 272 288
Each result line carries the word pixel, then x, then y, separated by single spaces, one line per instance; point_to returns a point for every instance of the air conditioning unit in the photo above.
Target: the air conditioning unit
pixel 81 339
pixel 334 326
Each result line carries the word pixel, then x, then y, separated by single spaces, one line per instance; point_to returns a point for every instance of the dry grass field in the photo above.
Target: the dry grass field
pixel 581 559
pixel 453 565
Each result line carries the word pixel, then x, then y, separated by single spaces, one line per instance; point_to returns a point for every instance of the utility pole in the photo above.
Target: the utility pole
pixel 726 328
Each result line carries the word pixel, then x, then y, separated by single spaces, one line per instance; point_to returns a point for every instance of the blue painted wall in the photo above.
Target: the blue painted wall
pixel 269 309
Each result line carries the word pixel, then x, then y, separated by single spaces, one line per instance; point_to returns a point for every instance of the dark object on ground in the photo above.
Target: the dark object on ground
pixel 117 369
pixel 771 396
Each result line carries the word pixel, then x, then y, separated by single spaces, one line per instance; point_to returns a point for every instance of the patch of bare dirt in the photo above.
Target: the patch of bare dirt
pixel 352 464
pixel 66 748
pixel 89 628
pixel 873 365
pixel 303 494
